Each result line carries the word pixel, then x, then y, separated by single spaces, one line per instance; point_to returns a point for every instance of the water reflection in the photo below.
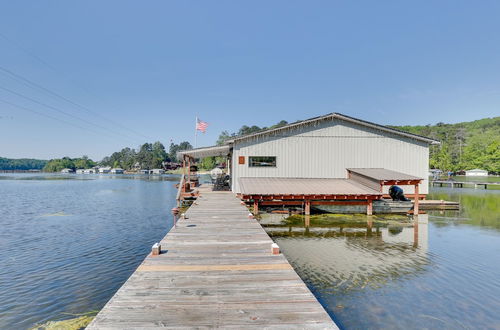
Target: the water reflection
pixel 68 243
pixel 438 272
pixel 352 252
pixel 477 207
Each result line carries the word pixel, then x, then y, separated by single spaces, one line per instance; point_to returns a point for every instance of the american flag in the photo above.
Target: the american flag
pixel 201 125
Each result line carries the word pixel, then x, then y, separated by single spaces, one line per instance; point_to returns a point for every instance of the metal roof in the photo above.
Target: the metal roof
pixel 205 152
pixel 303 186
pixel 331 116
pixel 381 174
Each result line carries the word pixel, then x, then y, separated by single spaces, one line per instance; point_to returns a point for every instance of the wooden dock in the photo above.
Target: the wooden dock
pixel 461 184
pixel 216 270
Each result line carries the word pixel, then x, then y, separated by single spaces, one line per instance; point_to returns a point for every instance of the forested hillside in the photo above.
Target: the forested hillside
pixel 464 146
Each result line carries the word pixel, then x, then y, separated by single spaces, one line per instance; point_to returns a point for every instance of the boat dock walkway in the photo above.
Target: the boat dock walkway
pixel 215 270
pixel 460 184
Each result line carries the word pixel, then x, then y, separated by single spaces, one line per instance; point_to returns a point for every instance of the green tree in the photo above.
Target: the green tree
pixel 84 162
pixel 159 154
pixel 208 163
pixel 145 156
pixel 174 148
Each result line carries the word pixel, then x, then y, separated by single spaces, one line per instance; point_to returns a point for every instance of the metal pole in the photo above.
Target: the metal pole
pixel 196 132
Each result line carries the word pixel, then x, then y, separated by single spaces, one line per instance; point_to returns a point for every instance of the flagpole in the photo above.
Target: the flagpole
pixel 196 132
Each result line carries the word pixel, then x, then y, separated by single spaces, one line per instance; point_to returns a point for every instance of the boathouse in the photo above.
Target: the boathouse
pixel 328 159
pixel 476 172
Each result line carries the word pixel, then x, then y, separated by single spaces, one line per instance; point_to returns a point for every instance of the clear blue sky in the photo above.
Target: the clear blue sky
pixel 152 66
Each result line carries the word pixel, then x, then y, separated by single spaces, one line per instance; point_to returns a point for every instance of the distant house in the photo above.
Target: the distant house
pixel 116 171
pixel 90 171
pixel 476 172
pixel 104 170
pixel 144 171
pixel 67 170
pixel 157 171
pixel 80 171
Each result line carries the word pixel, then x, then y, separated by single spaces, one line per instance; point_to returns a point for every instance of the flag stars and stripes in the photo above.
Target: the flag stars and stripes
pixel 201 125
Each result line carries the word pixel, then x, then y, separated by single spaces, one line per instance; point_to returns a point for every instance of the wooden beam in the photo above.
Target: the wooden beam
pixel 312 197
pixel 338 202
pixel 369 208
pixel 320 202
pixel 307 209
pixel 400 182
pixel 415 204
pixel 255 207
pixel 279 203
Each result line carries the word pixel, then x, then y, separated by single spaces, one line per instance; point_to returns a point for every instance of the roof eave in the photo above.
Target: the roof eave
pixel 342 117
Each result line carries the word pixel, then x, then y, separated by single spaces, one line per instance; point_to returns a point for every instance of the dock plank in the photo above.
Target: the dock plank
pixel 216 270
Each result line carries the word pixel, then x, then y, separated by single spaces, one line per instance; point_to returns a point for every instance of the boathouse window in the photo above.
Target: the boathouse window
pixel 262 161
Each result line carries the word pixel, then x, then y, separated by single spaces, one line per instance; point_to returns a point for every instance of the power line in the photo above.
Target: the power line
pixel 54 118
pixel 63 112
pixel 45 63
pixel 30 83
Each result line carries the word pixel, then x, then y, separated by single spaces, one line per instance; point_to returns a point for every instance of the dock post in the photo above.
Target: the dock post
pixel 416 202
pixel 156 249
pixel 369 207
pixel 307 209
pixel 415 232
pixel 255 207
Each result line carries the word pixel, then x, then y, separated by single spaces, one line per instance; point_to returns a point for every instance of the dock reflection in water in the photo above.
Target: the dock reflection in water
pixel 344 257
pixel 355 251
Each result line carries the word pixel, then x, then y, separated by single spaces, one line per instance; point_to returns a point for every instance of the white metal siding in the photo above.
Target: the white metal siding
pixel 325 150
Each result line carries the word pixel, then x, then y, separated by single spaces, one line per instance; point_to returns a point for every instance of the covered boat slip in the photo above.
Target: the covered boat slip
pixel 364 187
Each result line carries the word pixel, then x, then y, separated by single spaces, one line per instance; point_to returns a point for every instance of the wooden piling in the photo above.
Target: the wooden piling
pixel 369 207
pixel 416 200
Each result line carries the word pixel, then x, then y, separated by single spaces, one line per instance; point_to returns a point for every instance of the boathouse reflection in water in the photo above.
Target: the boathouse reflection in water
pixel 352 252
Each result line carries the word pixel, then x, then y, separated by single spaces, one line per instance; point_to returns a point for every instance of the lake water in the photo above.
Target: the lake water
pixel 67 243
pixel 442 273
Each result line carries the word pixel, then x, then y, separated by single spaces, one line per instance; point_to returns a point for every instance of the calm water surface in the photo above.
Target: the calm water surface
pixel 446 275
pixel 67 243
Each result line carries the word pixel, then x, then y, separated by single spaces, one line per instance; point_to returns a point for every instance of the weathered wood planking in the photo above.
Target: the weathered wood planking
pixel 216 270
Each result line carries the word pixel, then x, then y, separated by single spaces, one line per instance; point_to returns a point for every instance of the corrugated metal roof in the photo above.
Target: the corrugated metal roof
pixel 331 116
pixel 303 186
pixel 205 152
pixel 383 174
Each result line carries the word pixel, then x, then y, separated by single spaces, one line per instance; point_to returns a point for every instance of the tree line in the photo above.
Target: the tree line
pixel 56 165
pixel 22 164
pixel 464 146
pixel 147 156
